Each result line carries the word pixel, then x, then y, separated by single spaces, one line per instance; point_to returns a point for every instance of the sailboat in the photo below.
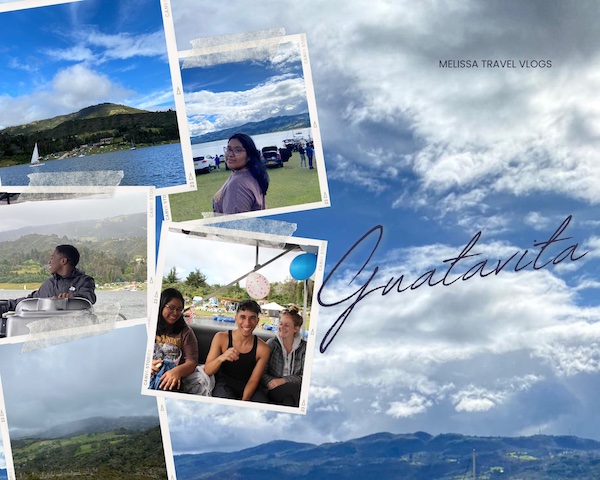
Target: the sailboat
pixel 35 157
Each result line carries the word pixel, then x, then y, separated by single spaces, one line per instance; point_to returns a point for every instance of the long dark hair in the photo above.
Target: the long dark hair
pixel 255 166
pixel 165 297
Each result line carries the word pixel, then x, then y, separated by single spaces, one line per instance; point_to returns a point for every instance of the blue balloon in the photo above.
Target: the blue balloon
pixel 303 266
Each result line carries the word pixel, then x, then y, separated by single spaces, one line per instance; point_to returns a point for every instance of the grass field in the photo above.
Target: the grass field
pixel 290 185
pixel 28 449
pixel 19 286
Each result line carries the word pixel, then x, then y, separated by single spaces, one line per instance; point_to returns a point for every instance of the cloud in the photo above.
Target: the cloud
pixel 413 406
pixel 125 46
pixel 211 111
pixel 472 150
pixel 515 131
pixel 222 262
pixel 71 89
pixel 74 381
pixel 471 357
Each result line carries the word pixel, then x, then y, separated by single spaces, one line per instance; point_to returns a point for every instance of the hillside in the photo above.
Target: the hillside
pixel 273 124
pixel 108 250
pixel 417 456
pixel 96 425
pixel 94 111
pixel 120 226
pixel 116 454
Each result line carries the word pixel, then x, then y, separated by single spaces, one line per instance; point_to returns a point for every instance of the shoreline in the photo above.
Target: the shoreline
pixel 27 287
pixel 84 152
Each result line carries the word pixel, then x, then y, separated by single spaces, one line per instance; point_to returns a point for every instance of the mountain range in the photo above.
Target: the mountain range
pixel 119 226
pixel 92 425
pixel 417 456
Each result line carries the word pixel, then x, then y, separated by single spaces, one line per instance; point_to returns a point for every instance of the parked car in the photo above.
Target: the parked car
pixel 271 157
pixel 286 153
pixel 204 164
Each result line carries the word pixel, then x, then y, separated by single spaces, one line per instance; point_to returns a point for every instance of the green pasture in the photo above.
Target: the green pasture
pixel 290 185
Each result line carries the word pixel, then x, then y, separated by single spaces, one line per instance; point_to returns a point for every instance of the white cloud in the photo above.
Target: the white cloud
pixel 490 351
pixel 515 130
pixel 413 406
pixel 222 262
pixel 71 89
pixel 282 95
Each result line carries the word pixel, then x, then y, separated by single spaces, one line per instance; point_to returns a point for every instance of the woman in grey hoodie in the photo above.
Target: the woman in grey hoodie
pixel 283 375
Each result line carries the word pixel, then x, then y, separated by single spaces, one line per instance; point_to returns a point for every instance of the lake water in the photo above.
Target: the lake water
pixel 264 140
pixel 161 166
pixel 133 303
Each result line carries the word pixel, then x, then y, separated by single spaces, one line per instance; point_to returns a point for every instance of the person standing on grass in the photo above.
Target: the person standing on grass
pixel 310 152
pixel 302 151
pixel 246 187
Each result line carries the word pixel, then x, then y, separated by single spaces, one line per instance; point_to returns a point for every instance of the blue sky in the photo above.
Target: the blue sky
pixel 436 155
pixel 82 54
pixel 224 95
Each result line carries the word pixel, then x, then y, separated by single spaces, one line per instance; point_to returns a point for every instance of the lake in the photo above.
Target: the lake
pixel 161 166
pixel 133 303
pixel 264 140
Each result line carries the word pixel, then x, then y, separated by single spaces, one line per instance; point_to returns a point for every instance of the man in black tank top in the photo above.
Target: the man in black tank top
pixel 237 357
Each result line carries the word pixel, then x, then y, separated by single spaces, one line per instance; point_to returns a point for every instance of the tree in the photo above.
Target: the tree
pixel 196 279
pixel 172 276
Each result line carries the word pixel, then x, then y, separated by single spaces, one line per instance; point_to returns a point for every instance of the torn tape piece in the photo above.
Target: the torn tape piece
pixel 67 327
pixel 257 46
pixel 270 228
pixel 108 178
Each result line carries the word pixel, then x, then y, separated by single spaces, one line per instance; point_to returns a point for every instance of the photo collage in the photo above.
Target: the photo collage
pixel 122 151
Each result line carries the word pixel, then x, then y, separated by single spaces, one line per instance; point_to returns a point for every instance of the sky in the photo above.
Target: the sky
pixel 222 262
pixel 436 155
pixel 224 95
pixel 51 212
pixel 82 54
pixel 96 376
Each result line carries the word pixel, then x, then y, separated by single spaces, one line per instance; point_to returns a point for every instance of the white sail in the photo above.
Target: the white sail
pixel 35 157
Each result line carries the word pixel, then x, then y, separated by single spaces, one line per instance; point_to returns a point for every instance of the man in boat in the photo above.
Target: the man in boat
pixel 66 280
pixel 237 357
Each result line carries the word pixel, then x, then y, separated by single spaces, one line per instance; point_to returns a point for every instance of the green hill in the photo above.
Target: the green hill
pixel 111 260
pixel 94 111
pixel 118 454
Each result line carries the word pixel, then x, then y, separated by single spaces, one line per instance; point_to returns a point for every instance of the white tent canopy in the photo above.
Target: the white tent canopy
pixel 272 306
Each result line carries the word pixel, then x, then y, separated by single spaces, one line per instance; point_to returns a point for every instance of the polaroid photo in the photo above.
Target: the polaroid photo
pixel 258 84
pixel 10 5
pixel 74 261
pixel 76 408
pixel 88 99
pixel 7 470
pixel 242 301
